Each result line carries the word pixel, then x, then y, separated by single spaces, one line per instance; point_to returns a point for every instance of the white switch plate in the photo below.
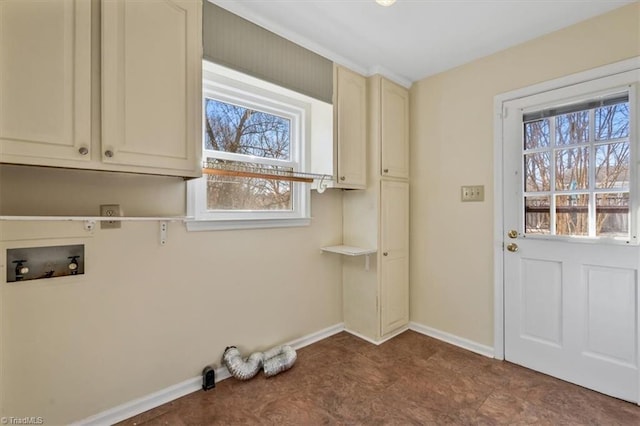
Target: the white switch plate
pixel 472 193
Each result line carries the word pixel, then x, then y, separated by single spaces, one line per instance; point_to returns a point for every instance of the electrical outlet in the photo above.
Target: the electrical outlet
pixel 472 193
pixel 110 210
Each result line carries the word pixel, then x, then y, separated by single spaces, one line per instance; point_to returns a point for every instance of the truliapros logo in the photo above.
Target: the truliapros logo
pixel 33 420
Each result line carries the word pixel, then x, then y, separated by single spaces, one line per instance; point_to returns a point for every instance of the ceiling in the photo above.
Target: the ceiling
pixel 413 39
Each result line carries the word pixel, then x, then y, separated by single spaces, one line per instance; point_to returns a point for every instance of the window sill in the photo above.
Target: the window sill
pixel 224 225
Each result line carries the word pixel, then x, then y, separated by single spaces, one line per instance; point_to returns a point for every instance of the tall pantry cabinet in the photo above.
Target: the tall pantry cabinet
pixel 376 300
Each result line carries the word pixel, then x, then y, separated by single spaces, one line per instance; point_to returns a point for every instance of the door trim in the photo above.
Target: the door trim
pixel 498 206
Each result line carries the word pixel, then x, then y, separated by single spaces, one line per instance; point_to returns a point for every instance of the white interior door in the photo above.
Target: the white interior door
pixel 571 255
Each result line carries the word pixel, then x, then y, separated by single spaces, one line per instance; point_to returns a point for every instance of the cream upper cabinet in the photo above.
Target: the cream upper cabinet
pixel 151 84
pixel 45 82
pixel 148 83
pixel 350 128
pixel 394 262
pixel 394 130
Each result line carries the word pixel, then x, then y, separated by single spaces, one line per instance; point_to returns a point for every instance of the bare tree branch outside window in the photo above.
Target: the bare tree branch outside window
pixel 255 134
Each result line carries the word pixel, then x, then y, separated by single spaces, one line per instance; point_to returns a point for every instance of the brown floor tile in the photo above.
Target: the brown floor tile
pixel 409 380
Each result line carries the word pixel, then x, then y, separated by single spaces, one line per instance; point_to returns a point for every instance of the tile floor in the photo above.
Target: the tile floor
pixel 409 380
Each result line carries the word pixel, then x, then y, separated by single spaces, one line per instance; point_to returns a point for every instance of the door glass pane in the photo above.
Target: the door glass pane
pixel 572 169
pixel 572 214
pixel 576 169
pixel 612 214
pixel 536 134
pixel 537 171
pixel 612 122
pixel 537 215
pixel 572 128
pixel 612 165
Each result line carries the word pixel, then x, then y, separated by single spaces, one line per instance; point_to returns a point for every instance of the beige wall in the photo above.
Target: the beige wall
pixel 452 145
pixel 145 316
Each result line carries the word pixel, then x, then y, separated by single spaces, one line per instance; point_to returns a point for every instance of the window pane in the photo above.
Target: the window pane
pixel 536 215
pixel 232 128
pixel 248 193
pixel 572 169
pixel 537 171
pixel 572 128
pixel 536 134
pixel 612 165
pixel 612 215
pixel 572 214
pixel 612 122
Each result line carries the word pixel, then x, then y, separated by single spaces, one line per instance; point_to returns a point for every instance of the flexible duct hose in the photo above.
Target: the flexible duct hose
pixel 274 361
pixel 278 359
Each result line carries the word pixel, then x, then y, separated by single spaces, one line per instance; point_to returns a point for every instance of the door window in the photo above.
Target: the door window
pixel 576 161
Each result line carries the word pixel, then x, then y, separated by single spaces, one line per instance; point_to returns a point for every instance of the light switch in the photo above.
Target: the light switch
pixel 472 193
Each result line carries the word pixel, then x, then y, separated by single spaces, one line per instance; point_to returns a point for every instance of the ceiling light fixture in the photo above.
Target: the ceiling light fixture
pixel 385 2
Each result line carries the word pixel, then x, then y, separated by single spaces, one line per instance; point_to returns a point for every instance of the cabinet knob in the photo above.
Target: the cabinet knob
pixel 385 171
pixel 108 153
pixel 386 253
pixel 83 150
pixel 342 177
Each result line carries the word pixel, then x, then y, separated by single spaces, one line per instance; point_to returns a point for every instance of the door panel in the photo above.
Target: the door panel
pixel 541 301
pixel 151 76
pixel 394 261
pixel 570 302
pixel 610 313
pixel 351 128
pixel 45 81
pixel 395 130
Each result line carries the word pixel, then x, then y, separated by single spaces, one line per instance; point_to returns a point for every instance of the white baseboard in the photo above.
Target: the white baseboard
pixel 148 402
pixel 316 337
pixel 461 342
pixel 378 342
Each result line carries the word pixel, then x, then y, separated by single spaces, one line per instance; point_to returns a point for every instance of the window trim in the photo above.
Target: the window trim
pixel 226 85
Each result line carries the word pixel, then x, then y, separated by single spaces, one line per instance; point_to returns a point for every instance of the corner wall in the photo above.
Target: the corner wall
pixel 452 145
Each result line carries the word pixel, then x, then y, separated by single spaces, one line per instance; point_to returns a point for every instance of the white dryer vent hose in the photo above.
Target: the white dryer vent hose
pixel 273 361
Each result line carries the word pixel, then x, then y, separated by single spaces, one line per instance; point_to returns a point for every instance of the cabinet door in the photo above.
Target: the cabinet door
pixel 45 81
pixel 395 130
pixel 151 85
pixel 394 262
pixel 351 129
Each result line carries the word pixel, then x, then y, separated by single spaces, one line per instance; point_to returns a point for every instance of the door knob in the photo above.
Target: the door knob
pixel 108 153
pixel 513 247
pixel 386 253
pixel 513 234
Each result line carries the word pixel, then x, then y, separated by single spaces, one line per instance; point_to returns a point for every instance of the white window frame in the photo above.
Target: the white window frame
pixel 230 86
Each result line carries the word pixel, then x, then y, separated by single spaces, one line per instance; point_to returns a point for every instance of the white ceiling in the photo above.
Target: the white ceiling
pixel 413 39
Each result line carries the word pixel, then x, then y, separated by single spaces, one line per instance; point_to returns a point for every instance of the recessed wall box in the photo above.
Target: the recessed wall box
pixel 33 263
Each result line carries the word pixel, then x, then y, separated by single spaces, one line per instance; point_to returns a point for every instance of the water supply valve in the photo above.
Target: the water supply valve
pixel 21 269
pixel 73 264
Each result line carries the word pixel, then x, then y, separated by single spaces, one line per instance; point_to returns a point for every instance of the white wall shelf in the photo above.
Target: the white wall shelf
pixel 352 251
pixel 349 250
